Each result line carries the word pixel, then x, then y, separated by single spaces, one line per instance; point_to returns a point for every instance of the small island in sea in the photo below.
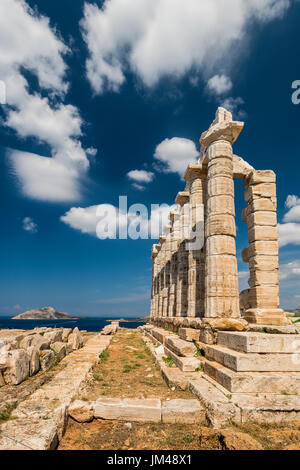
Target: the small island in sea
pixel 44 313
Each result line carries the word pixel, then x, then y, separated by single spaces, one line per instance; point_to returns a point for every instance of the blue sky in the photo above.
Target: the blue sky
pixel 93 90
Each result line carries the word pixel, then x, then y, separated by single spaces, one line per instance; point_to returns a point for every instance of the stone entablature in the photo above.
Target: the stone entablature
pixel 202 281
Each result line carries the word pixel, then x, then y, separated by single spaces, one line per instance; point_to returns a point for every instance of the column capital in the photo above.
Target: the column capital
pixel 182 198
pixel 222 128
pixel 194 171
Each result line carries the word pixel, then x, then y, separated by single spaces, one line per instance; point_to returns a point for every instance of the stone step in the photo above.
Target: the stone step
pixel 185 364
pixel 161 335
pixel 180 347
pixel 182 411
pixel 253 382
pixel 252 362
pixel 128 409
pixel 189 334
pixel 249 342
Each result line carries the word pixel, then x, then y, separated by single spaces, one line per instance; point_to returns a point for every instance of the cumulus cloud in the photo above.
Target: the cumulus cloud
pixel 29 225
pixel 141 176
pixel 289 231
pixel 176 154
pixel 293 204
pixel 28 42
pixel 290 271
pixel 107 221
pixel 219 84
pixel 159 38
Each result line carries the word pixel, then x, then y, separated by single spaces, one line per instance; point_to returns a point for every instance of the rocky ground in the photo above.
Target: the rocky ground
pixel 128 370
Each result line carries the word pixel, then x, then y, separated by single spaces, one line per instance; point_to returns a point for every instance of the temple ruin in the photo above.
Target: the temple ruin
pixel 203 283
pixel 243 360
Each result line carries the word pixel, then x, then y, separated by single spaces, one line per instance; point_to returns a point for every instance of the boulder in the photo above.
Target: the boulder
pixel 38 341
pixel 54 336
pixel 75 339
pixel 66 333
pixel 226 324
pixel 34 360
pixel 109 329
pixel 47 359
pixel 59 349
pixel 81 411
pixel 17 367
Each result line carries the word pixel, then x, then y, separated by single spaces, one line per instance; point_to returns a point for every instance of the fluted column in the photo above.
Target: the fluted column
pixel 175 238
pixel 162 240
pixel 167 244
pixel 221 287
pixel 182 255
pixel 153 310
pixel 196 177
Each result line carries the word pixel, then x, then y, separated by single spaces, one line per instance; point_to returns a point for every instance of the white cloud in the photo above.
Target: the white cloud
pixel 159 38
pixel 219 84
pixel 289 232
pixel 44 178
pixel 176 154
pixel 28 42
pixel 139 187
pixel 86 219
pixel 290 271
pixel 292 203
pixel 141 176
pixel 29 225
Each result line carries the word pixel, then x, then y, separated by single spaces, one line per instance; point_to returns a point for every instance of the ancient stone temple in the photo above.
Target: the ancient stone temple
pixel 195 272
pixel 237 352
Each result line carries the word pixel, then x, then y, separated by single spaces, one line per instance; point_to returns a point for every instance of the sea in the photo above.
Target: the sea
pixel 89 324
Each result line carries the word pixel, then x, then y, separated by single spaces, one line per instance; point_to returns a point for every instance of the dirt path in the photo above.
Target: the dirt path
pixel 128 370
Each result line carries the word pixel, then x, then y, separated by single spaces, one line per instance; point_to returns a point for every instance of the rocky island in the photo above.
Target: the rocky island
pixel 45 313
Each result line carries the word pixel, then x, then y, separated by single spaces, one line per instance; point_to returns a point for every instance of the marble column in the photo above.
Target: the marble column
pixel 196 177
pixel 175 239
pixel 262 253
pixel 182 255
pixel 221 286
pixel 153 311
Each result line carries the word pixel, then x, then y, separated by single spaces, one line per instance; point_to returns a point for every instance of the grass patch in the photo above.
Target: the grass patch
pixel 168 361
pixel 104 355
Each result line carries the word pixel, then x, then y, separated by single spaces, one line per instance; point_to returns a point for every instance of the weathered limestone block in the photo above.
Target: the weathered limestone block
pixel 262 218
pixel 263 190
pixel 182 411
pixel 34 358
pixel 66 333
pixel 185 364
pixel 246 254
pixel 220 244
pixel 189 334
pixel 81 411
pixel 223 205
pixel 47 359
pixel 54 336
pixel 264 297
pixel 244 300
pixel 264 263
pixel 225 324
pixel 261 278
pixel 221 285
pixel 208 336
pixel 265 248
pixel 17 367
pixel 261 176
pixel 228 307
pixel 75 339
pixel 220 186
pixel 260 233
pixel 218 224
pixel 59 349
pixel 180 347
pixel 128 409
pixel 263 204
pixel 250 342
pixel 266 316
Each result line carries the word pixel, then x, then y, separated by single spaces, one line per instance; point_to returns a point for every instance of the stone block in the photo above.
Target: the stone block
pixel 262 190
pixel 221 245
pixel 264 263
pixel 59 349
pixel 181 347
pixel 66 333
pixel 189 334
pixel 81 411
pixel 261 176
pixel 249 342
pixel 34 360
pixel 182 411
pixel 265 218
pixel 17 367
pixel 128 409
pixel 47 359
pixel 221 205
pixel 220 186
pixel 185 364
pixel 220 225
pixel 252 362
pixel 260 233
